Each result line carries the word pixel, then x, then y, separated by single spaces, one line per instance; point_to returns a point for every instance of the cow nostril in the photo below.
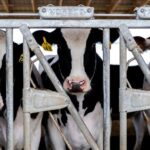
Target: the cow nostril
pixel 82 82
pixel 69 82
pixel 76 87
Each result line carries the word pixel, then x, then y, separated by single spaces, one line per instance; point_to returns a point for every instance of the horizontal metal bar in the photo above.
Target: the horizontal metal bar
pixel 95 23
pixel 114 15
pixel 134 100
pixel 19 14
pixel 37 15
pixel 43 100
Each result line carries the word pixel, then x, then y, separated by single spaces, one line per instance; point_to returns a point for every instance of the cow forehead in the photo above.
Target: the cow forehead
pixel 76 40
pixel 75 33
pixel 76 36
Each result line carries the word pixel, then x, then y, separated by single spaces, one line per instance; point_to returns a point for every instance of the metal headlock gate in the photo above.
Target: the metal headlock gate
pixel 128 102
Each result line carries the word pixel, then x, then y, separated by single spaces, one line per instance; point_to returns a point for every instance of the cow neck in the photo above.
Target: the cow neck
pixel 80 99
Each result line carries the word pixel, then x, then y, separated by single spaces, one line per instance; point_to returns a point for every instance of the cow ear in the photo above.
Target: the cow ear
pixel 143 43
pixel 98 35
pixel 46 39
pixel 114 35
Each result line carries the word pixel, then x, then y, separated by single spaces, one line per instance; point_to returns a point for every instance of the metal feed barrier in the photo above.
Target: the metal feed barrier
pixel 128 102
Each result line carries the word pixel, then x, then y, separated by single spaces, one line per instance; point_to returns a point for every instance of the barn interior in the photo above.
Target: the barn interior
pixel 103 9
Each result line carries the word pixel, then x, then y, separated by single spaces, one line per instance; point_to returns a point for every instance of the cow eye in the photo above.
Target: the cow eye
pixel 93 45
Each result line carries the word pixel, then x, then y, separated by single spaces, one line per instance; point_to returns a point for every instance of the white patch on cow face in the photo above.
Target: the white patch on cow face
pixel 76 40
pixel 2 45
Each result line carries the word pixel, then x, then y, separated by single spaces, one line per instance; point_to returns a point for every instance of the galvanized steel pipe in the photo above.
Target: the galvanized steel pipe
pixel 90 23
pixel 9 88
pixel 26 85
pixel 106 88
pixel 123 115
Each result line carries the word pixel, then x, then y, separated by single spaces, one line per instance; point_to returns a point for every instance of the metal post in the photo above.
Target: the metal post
pixel 123 115
pixel 34 47
pixel 106 88
pixel 26 84
pixel 9 87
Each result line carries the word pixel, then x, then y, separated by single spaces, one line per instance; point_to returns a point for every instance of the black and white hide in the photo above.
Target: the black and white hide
pixel 79 70
pixel 17 104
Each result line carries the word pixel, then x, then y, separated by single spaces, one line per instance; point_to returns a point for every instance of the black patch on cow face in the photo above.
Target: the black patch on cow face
pixel 96 93
pixel 90 59
pixel 64 60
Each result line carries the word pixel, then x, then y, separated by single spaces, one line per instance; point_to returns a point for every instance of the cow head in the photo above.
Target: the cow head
pixel 144 43
pixel 77 55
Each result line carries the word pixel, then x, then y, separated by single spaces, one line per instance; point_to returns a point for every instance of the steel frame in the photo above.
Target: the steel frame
pixel 9 24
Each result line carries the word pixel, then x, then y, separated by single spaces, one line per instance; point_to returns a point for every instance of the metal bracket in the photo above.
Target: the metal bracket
pixel 36 100
pixel 66 12
pixel 143 12
pixel 134 100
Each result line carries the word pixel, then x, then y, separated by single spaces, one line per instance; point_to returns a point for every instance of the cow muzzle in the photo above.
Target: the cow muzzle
pixel 73 86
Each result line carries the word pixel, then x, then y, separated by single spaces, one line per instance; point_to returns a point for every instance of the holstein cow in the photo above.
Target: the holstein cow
pixel 141 119
pixel 80 71
pixel 18 111
pixel 77 70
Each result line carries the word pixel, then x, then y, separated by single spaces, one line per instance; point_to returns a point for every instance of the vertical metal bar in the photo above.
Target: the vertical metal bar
pixel 26 84
pixel 9 87
pixel 106 88
pixel 123 115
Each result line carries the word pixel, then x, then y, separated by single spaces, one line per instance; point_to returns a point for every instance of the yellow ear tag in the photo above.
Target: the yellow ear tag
pixel 46 46
pixel 21 58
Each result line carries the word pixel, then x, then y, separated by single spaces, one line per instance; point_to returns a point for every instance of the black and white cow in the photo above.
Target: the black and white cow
pixel 141 119
pixel 18 111
pixel 77 70
pixel 80 71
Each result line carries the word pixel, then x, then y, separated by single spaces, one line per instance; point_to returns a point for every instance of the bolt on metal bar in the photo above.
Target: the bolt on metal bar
pixel 106 88
pixel 26 85
pixel 35 48
pixel 9 87
pixel 123 115
pixel 134 48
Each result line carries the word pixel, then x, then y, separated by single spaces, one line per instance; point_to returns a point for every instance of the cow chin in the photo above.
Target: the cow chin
pixel 76 89
pixel 72 92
